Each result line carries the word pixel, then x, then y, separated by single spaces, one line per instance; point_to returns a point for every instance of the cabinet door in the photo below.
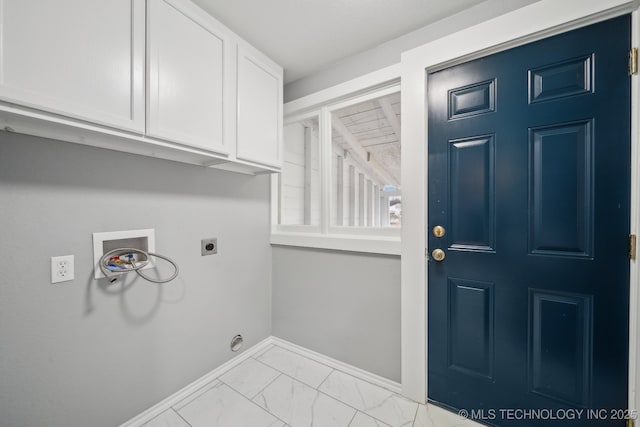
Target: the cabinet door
pixel 187 54
pixel 259 121
pixel 78 58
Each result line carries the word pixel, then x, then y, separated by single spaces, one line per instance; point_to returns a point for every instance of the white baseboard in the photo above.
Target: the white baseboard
pixel 170 401
pixel 338 365
pixel 167 403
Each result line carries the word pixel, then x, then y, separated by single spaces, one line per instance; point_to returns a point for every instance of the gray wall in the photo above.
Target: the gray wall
pixel 85 354
pixel 342 304
pixel 389 53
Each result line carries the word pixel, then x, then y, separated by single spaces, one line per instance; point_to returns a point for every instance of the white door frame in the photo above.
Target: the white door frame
pixel 533 22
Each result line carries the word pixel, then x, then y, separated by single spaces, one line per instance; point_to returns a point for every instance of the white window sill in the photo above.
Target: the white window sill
pixel 388 245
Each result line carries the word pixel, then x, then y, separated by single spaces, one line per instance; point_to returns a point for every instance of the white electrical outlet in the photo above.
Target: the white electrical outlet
pixel 61 268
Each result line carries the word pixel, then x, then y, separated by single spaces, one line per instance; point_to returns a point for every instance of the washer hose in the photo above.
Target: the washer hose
pixel 129 264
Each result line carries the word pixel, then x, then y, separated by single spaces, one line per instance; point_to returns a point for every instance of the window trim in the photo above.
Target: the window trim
pixel 373 93
pixel 325 235
pixel 351 243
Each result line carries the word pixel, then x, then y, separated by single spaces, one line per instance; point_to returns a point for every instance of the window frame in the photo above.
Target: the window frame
pixel 325 235
pixel 347 229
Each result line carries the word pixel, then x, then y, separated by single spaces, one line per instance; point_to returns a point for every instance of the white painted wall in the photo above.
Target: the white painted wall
pixel 82 353
pixel 293 175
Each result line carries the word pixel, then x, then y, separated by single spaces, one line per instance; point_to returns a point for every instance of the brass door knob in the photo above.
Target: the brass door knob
pixel 438 255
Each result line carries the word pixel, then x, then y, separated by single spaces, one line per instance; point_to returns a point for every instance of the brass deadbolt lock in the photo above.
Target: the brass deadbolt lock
pixel 438 231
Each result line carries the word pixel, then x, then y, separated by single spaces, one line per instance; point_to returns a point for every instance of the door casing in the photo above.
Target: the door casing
pixel 536 21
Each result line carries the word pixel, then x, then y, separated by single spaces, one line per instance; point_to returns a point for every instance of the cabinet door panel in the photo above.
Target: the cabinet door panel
pixel 259 109
pixel 78 58
pixel 187 60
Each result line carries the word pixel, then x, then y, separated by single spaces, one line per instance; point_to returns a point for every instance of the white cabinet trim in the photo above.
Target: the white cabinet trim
pixel 257 58
pixel 45 125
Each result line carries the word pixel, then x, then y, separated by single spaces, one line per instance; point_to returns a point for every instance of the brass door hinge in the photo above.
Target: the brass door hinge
pixel 633 61
pixel 631 422
pixel 632 246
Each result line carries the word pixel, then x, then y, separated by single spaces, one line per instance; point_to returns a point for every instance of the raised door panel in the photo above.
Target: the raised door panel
pixel 560 345
pixel 79 58
pixel 188 55
pixel 561 189
pixel 471 193
pixel 470 327
pixel 259 122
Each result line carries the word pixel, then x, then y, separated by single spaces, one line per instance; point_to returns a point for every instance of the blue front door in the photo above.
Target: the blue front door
pixel 529 177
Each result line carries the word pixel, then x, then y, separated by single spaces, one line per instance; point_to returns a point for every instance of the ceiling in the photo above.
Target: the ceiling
pixel 370 132
pixel 305 36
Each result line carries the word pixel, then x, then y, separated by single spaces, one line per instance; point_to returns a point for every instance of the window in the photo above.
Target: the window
pixel 340 183
pixel 365 145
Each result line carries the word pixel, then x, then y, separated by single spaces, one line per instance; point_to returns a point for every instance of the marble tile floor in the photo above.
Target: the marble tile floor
pixel 280 388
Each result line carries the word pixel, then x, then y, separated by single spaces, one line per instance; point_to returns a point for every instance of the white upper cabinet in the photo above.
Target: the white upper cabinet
pixel 78 58
pixel 259 110
pixel 154 77
pixel 188 62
